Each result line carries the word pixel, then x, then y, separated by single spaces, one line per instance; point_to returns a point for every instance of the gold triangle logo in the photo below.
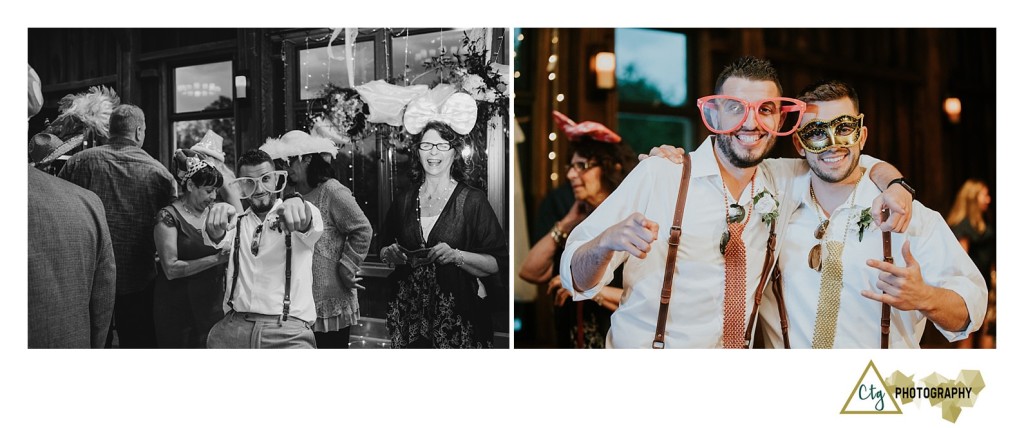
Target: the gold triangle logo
pixel 871 395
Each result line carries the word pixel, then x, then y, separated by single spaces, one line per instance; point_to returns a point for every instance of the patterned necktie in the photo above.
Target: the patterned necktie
pixel 828 296
pixel 735 302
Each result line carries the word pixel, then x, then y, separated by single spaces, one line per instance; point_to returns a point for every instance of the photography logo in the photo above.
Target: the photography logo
pixel 873 395
pixel 870 395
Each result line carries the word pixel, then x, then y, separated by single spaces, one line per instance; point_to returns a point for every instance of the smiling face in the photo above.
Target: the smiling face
pixel 748 145
pixel 435 162
pixel 261 200
pixel 837 164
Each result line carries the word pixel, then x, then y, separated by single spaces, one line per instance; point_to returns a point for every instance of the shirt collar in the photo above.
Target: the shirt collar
pixel 704 161
pixel 121 141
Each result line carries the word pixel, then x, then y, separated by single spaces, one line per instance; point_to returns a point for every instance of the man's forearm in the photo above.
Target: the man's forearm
pixel 947 310
pixel 882 174
pixel 588 264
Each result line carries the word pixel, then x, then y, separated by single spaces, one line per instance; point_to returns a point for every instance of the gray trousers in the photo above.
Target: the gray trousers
pixel 256 331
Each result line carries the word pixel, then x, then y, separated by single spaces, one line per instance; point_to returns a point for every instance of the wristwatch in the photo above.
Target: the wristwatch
pixel 299 195
pixel 903 183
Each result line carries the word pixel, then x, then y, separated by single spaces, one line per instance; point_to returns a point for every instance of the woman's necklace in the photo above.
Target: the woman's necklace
pixel 734 213
pixel 436 199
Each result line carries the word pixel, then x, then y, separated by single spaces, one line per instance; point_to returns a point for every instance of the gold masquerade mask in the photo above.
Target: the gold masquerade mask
pixel 818 136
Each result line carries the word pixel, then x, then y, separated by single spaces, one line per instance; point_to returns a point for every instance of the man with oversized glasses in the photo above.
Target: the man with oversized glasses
pixel 727 226
pixel 834 281
pixel 269 294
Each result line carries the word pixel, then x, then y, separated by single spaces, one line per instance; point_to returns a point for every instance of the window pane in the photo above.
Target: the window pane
pixel 645 131
pixel 188 133
pixel 651 67
pixel 411 51
pixel 203 87
pixel 316 67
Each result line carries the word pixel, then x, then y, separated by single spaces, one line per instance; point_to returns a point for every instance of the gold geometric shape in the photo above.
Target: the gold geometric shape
pixel 879 387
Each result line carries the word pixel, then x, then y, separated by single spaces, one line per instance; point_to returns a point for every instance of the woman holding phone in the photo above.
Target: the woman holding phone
pixel 443 238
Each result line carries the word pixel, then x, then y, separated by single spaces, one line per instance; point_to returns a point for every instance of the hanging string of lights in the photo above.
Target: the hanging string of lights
pixel 552 68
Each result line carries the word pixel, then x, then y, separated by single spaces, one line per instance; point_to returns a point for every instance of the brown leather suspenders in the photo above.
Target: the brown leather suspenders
pixel 886 257
pixel 769 260
pixel 670 268
pixel 673 248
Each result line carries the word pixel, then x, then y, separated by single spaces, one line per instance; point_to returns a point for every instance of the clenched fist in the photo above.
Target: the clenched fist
pixel 220 220
pixel 294 215
pixel 633 235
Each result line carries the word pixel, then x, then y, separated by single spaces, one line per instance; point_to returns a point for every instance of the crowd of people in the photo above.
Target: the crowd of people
pixel 193 256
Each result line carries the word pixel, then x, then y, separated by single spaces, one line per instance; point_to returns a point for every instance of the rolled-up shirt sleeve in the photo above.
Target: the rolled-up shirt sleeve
pixel 944 264
pixel 225 242
pixel 631 196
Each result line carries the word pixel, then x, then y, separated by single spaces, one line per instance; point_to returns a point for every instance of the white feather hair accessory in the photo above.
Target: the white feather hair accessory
pixel 298 143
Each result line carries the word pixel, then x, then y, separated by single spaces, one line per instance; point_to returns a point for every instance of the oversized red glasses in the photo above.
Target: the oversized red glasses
pixel 723 114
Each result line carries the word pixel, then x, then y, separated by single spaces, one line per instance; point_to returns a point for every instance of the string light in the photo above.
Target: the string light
pixel 553 136
pixel 405 73
pixel 304 63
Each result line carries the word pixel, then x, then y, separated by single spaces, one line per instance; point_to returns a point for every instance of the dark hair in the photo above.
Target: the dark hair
pixel 460 170
pixel 750 68
pixel 207 176
pixel 318 171
pixel 830 90
pixel 607 156
pixel 125 119
pixel 254 157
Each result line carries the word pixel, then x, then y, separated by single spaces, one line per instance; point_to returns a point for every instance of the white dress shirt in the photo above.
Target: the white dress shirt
pixel 261 279
pixel 698 288
pixel 943 264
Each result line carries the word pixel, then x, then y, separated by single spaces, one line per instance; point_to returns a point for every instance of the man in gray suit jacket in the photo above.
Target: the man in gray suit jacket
pixel 71 268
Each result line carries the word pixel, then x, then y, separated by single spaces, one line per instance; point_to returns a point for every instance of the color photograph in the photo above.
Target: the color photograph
pixel 755 188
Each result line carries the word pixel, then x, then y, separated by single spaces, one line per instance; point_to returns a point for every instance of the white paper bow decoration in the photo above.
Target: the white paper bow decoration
pixel 386 101
pixel 441 104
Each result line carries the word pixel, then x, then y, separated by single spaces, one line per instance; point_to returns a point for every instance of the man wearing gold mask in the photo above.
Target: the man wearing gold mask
pixel 726 240
pixel 834 281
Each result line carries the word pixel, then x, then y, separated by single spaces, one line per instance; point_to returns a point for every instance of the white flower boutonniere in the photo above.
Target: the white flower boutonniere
pixel 766 205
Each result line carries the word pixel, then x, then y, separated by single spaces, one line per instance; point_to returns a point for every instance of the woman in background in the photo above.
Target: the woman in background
pixel 599 163
pixel 967 220
pixel 346 238
pixel 189 290
pixel 443 237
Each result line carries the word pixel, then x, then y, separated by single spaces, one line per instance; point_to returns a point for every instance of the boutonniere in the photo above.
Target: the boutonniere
pixel 863 223
pixel 766 205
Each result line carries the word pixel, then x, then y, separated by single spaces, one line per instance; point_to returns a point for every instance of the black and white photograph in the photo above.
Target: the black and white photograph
pixel 268 188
